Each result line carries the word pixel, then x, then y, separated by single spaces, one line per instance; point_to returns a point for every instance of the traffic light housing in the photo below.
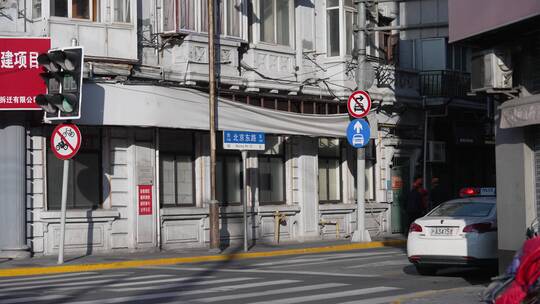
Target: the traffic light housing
pixel 63 74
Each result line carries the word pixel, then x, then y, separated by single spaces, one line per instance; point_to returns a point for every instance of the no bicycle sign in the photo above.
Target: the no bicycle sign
pixel 66 141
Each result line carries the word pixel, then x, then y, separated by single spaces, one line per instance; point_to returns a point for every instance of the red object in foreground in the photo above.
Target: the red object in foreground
pixel 145 199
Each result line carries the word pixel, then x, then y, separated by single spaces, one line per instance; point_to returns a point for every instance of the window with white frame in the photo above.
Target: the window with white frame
pixel 329 170
pixel 276 21
pixel 272 172
pixel 122 11
pixel 339 27
pixel 176 168
pixel 192 16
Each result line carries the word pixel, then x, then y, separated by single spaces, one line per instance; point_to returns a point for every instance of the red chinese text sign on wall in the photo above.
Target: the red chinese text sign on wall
pixel 20 82
pixel 145 199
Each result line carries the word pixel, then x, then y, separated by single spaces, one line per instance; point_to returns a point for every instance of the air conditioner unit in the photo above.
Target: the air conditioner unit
pixel 491 69
pixel 436 151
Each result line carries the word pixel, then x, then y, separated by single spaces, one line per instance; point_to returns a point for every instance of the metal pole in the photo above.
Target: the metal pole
pixel 361 235
pixel 244 183
pixel 214 218
pixel 424 165
pixel 63 212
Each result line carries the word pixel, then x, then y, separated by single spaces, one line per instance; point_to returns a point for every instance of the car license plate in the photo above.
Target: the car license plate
pixel 442 231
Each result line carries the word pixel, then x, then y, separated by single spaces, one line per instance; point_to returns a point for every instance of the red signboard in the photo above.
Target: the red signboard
pixel 145 199
pixel 20 82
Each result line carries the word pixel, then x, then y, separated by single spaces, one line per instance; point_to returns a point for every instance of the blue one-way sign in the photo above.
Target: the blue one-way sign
pixel 358 133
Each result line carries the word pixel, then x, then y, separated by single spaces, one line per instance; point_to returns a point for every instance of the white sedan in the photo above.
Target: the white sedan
pixel 459 232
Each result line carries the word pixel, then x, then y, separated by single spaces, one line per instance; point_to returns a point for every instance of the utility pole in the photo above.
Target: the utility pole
pixel 361 234
pixel 214 206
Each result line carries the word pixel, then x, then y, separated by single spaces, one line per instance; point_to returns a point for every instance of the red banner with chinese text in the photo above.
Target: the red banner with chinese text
pixel 19 72
pixel 145 199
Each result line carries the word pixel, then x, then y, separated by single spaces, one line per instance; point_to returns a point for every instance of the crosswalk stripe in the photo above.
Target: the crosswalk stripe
pixel 46 282
pixel 329 257
pixel 337 261
pixel 32 299
pixel 34 278
pixel 326 274
pixel 382 264
pixel 270 292
pixel 181 285
pixel 333 295
pixel 185 293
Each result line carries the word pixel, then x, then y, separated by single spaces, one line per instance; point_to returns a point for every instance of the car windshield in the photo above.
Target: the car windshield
pixel 460 209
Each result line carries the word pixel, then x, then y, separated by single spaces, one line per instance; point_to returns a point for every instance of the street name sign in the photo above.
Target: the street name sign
pixel 66 141
pixel 243 140
pixel 358 133
pixel 359 104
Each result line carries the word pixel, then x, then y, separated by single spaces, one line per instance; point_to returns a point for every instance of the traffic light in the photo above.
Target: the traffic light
pixel 62 72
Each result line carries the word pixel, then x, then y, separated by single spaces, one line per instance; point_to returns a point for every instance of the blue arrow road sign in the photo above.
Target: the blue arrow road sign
pixel 358 133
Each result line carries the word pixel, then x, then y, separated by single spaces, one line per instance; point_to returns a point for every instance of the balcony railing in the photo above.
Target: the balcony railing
pixel 443 83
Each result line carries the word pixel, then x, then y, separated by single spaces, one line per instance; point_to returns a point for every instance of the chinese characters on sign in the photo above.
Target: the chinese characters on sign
pixel 243 140
pixel 145 199
pixel 20 81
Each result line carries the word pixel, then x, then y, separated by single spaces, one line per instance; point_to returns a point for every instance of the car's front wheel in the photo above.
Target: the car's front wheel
pixel 426 270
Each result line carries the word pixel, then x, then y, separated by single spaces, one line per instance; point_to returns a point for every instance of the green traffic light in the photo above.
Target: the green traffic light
pixel 67 107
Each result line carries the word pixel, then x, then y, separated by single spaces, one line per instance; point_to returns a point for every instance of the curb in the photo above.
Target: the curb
pixel 27 271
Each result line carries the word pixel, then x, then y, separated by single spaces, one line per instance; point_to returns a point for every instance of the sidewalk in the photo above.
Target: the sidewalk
pixel 47 264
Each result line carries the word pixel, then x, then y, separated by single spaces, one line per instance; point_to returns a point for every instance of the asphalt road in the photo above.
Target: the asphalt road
pixel 363 276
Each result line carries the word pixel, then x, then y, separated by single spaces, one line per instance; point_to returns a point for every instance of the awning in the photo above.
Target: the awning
pixel 183 108
pixel 520 112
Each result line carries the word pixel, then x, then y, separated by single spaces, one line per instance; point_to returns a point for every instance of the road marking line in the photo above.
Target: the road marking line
pixel 354 275
pixel 333 295
pixel 182 285
pixel 337 261
pixel 197 259
pixel 47 282
pixel 61 283
pixel 270 292
pixel 184 293
pixel 384 263
pixel 34 278
pixel 32 299
pixel 323 258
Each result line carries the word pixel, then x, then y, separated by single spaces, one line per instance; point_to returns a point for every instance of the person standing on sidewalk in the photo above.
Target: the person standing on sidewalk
pixel 417 201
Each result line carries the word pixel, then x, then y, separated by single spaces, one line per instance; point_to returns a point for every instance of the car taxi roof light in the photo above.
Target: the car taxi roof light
pixel 471 191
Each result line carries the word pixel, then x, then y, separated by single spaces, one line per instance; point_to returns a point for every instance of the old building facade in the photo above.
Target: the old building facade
pixel 285 68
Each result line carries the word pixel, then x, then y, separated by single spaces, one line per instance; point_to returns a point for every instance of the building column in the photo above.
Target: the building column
pixel 13 186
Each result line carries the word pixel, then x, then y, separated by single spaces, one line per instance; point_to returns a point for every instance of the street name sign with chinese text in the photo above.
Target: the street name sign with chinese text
pixel 243 140
pixel 66 141
pixel 359 104
pixel 20 79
